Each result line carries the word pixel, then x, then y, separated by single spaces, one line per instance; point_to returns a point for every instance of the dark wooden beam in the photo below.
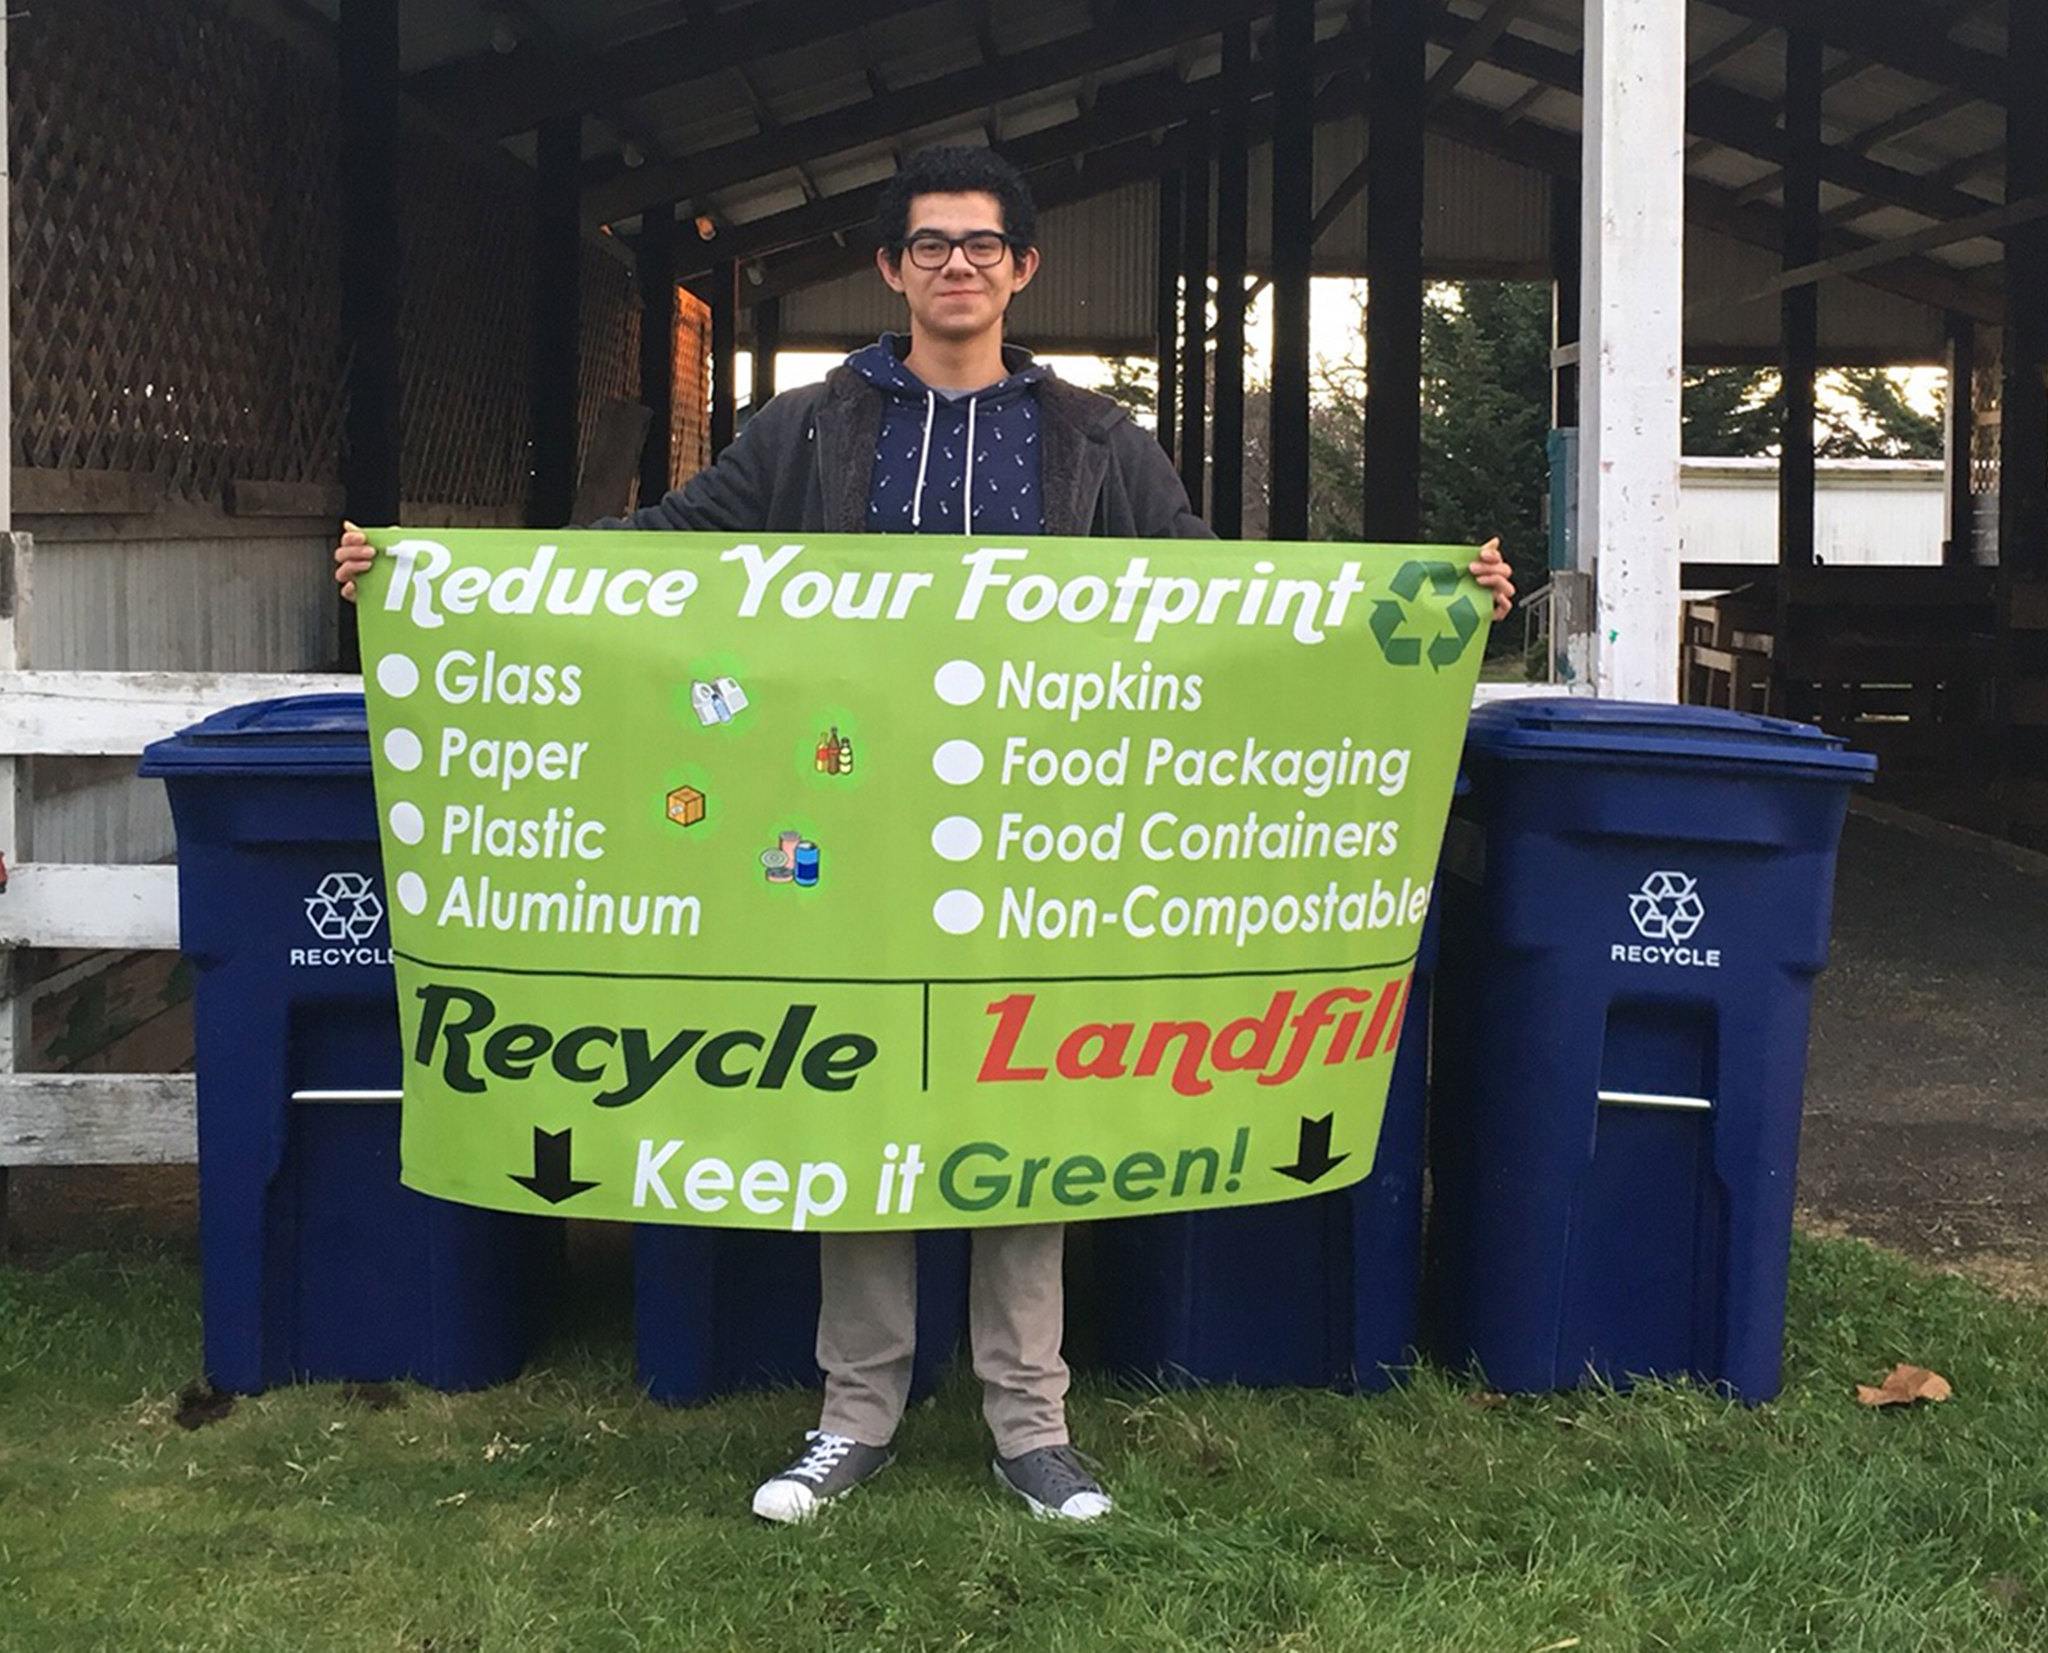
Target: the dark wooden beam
pixel 1392 484
pixel 1959 420
pixel 557 294
pixel 1799 307
pixel 1293 49
pixel 1194 265
pixel 1557 153
pixel 496 96
pixel 1741 122
pixel 366 54
pixel 2023 401
pixel 725 338
pixel 1142 105
pixel 1166 312
pixel 1886 32
pixel 911 108
pixel 1139 158
pixel 767 343
pixel 1233 189
pixel 655 263
pixel 1565 252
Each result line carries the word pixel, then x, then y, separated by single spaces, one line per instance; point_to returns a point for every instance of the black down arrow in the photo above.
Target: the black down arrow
pixel 1313 1160
pixel 551 1179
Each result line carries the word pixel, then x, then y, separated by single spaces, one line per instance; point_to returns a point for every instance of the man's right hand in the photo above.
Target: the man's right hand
pixel 352 559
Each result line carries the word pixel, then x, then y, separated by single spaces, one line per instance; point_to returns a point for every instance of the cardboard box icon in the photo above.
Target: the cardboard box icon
pixel 686 806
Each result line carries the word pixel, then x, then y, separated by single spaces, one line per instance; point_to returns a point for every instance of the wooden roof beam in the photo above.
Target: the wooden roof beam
pixel 496 96
pixel 1887 32
pixel 1741 122
pixel 931 102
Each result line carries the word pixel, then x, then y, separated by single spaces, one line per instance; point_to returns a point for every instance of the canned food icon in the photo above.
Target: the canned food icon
pixel 806 864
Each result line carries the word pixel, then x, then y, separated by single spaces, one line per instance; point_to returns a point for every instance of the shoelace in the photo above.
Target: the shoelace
pixel 1066 1475
pixel 824 1455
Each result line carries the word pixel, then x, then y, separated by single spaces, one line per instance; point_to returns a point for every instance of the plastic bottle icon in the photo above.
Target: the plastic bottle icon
pixel 710 709
pixel 729 691
pixel 845 743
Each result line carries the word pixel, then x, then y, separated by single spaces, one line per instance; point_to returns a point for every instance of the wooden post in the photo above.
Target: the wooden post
pixel 1564 301
pixel 1166 311
pixel 2023 397
pixel 725 332
pixel 1233 189
pixel 657 270
pixel 1959 434
pixel 1194 370
pixel 1631 264
pixel 1393 270
pixel 2023 439
pixel 1293 46
pixel 557 324
pixel 367 136
pixel 767 345
pixel 1799 307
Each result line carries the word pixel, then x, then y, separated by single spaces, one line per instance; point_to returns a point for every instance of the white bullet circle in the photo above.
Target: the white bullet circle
pixel 957 762
pixel 959 682
pixel 957 912
pixel 397 676
pixel 408 825
pixel 402 749
pixel 956 838
pixel 412 892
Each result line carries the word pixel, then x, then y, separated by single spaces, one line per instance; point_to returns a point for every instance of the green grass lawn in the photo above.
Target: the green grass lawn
pixel 566 1512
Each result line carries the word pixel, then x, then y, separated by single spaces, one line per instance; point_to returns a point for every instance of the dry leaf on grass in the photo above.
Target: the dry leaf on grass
pixel 1904 1385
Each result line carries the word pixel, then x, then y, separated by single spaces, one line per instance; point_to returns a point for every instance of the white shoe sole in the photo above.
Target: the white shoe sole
pixel 1045 1512
pixel 796 1511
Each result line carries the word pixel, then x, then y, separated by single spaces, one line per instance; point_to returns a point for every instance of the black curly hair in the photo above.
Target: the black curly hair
pixel 948 170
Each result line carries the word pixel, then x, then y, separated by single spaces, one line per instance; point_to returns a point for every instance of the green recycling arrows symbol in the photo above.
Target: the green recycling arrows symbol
pixel 1389 616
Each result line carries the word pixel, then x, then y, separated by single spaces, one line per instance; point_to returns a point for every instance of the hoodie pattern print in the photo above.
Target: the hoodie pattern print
pixel 934 453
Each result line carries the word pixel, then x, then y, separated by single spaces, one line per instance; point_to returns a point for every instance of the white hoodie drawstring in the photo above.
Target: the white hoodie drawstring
pixel 969 510
pixel 931 408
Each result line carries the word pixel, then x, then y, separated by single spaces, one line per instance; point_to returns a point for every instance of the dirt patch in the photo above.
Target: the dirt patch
pixel 1927 1087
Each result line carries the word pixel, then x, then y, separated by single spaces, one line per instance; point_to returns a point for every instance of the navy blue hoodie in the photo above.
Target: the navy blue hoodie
pixel 934 451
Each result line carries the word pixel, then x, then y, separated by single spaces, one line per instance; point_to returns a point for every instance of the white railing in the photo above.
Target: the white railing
pixel 114 1118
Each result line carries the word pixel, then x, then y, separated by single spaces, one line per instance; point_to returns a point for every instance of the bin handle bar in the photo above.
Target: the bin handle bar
pixel 347 1096
pixel 1654 1099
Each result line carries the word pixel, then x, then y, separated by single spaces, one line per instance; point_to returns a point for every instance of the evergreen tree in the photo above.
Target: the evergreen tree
pixel 1728 413
pixel 1883 424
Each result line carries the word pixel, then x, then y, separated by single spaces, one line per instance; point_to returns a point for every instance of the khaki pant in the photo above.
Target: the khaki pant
pixel 1016 1316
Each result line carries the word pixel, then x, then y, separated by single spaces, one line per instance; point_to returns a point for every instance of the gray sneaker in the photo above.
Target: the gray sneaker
pixel 1055 1483
pixel 828 1467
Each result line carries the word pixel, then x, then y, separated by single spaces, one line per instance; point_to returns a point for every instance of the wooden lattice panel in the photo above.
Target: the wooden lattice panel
pixel 609 358
pixel 690 408
pixel 175 225
pixel 465 323
pixel 1986 393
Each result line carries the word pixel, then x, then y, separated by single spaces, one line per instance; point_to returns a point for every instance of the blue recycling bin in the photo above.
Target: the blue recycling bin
pixel 1316 1292
pixel 1636 903
pixel 316 1264
pixel 717 1310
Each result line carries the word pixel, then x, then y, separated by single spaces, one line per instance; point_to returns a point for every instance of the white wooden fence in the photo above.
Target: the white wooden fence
pixel 98 1118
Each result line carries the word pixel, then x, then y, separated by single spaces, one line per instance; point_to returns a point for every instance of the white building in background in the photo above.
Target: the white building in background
pixel 1868 511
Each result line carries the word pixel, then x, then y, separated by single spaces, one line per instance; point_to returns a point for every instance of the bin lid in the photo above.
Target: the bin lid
pixel 1583 730
pixel 308 734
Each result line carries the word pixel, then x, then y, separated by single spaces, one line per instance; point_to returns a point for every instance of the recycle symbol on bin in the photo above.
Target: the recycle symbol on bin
pixel 345 907
pixel 1389 616
pixel 1667 907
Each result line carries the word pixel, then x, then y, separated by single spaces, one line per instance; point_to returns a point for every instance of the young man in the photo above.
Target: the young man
pixel 945 430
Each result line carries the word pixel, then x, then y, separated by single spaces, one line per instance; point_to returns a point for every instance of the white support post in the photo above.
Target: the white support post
pixel 1631 309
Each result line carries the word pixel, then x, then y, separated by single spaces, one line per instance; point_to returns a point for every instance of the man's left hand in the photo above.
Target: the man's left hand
pixel 1491 570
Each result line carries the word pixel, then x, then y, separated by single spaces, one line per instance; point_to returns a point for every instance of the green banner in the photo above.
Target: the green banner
pixel 901 882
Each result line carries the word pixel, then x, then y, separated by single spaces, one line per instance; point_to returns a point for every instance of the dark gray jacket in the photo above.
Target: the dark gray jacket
pixel 803 462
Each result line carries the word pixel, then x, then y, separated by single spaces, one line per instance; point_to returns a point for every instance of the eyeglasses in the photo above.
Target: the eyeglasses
pixel 930 250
